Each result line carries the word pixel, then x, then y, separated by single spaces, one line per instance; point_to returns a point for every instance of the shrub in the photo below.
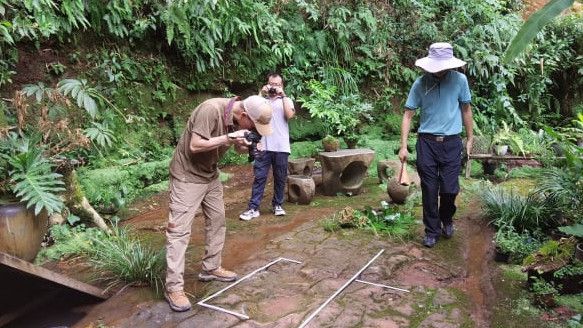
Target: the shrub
pixel 301 129
pixel 564 188
pixel 305 149
pixel 110 188
pixel 517 245
pixel 509 209
pixel 232 157
pixel 69 241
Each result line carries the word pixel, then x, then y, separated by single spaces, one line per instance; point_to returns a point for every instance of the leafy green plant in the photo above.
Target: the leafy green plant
pixel 69 241
pixel 100 134
pixel 29 175
pixel 340 114
pixel 505 136
pixel 541 287
pixel 56 68
pixel 517 245
pixel 386 220
pixel 575 230
pixel 569 270
pixel 304 149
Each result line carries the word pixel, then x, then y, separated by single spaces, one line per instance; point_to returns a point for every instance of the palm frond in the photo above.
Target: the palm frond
pixel 533 25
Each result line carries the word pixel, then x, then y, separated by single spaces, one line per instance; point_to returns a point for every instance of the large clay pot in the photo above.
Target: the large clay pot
pixel 21 232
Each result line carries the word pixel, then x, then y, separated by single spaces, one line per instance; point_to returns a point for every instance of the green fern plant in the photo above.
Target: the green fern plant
pixel 30 176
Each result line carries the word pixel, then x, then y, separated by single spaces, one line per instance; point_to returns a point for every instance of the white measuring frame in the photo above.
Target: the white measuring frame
pixel 354 278
pixel 240 315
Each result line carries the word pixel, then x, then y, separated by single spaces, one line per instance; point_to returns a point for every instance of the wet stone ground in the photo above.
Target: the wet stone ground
pixel 448 286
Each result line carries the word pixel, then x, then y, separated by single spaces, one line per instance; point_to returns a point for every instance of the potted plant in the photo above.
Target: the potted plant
pixel 544 292
pixel 506 139
pixel 31 186
pixel 330 143
pixel 351 140
pixel 28 188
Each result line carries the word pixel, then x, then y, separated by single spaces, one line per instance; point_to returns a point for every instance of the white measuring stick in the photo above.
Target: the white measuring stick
pixel 381 285
pixel 339 290
pixel 238 315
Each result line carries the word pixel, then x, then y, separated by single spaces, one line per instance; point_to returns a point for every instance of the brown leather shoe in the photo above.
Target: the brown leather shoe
pixel 219 274
pixel 178 301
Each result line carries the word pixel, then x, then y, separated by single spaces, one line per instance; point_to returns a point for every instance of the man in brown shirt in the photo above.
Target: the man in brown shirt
pixel 212 128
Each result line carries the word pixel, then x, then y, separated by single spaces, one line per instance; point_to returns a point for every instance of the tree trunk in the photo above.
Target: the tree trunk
pixel 75 199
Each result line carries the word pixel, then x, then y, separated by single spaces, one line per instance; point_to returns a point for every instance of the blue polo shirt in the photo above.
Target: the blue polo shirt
pixel 439 102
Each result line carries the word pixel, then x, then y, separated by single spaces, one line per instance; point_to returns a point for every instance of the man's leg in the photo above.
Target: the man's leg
pixel 185 198
pixel 450 165
pixel 428 172
pixel 260 170
pixel 213 208
pixel 279 178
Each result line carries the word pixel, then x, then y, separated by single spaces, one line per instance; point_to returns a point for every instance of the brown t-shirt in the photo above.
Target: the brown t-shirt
pixel 207 120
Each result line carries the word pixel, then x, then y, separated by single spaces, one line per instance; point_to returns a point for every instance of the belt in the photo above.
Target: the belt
pixel 438 138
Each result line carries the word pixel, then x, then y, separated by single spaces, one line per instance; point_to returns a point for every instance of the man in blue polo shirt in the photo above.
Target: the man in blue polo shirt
pixel 442 98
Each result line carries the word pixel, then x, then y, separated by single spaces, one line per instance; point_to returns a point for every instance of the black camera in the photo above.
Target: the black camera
pixel 272 91
pixel 254 138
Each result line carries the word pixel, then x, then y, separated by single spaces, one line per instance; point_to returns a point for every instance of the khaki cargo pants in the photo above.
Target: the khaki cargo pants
pixel 185 199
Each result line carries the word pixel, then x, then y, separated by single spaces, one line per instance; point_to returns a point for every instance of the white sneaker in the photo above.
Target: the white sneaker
pixel 278 210
pixel 249 214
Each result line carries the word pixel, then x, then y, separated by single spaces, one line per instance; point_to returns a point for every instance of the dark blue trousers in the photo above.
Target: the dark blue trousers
pixel 438 164
pixel 263 161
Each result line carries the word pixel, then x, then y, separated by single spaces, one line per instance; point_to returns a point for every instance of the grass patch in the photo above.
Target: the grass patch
pixel 118 258
pixel 123 259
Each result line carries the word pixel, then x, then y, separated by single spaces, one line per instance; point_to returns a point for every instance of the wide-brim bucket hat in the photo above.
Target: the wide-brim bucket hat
pixel 440 58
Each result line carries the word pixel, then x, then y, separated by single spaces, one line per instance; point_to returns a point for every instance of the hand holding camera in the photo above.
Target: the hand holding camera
pixel 251 139
pixel 273 91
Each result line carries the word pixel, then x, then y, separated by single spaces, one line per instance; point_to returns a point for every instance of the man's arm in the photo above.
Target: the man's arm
pixel 405 127
pixel 288 108
pixel 469 125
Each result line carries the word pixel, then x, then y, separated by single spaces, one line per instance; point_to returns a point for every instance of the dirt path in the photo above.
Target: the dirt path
pixel 449 285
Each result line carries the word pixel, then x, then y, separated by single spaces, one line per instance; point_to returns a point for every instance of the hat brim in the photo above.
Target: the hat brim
pixel 263 129
pixel 432 65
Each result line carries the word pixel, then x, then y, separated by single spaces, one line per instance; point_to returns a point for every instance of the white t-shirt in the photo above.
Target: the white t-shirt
pixel 279 140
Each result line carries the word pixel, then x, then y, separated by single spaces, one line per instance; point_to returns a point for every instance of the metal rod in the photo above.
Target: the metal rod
pixel 242 316
pixel 241 280
pixel 339 290
pixel 290 260
pixel 381 285
pixel 239 315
